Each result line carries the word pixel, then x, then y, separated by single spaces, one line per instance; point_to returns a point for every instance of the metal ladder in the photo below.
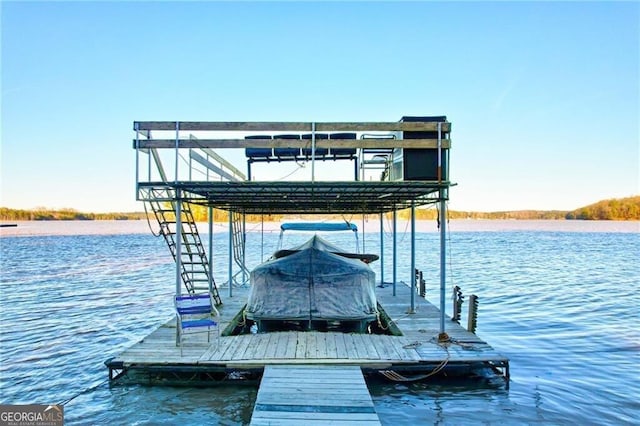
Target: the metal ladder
pixel 195 265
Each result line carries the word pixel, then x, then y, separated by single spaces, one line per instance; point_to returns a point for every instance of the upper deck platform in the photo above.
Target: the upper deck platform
pixel 411 155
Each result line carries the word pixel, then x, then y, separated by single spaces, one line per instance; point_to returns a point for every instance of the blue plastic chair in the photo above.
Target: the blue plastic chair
pixel 196 311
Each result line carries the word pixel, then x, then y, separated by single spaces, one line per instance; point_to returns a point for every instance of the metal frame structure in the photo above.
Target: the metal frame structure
pixel 218 184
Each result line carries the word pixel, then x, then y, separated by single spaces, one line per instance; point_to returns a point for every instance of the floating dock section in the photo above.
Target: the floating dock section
pixel 414 349
pixel 312 394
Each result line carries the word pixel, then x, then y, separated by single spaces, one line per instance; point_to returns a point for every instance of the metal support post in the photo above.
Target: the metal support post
pixel 244 248
pixel 210 249
pixel 382 250
pixel 136 125
pixel 395 250
pixel 363 236
pixel 177 150
pixel 313 152
pixel 178 240
pixel 230 253
pixel 443 231
pixel 178 210
pixel 412 276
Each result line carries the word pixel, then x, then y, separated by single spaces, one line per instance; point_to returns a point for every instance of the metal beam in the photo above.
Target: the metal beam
pixel 291 143
pixel 257 126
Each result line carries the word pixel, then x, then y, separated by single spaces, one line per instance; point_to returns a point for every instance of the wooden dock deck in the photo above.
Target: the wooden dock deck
pixel 313 395
pixel 417 349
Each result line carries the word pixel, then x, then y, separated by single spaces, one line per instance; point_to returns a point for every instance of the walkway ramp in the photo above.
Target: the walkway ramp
pixel 313 395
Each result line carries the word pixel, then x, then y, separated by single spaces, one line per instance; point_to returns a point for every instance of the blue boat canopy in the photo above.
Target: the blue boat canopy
pixel 318 226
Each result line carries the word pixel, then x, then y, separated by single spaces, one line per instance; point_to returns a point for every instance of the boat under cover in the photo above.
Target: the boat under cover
pixel 315 281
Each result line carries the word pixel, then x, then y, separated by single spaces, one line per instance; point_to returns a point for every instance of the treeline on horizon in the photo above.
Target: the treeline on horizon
pixel 42 213
pixel 612 209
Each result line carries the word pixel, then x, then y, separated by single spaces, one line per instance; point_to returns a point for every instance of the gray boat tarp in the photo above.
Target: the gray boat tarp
pixel 312 283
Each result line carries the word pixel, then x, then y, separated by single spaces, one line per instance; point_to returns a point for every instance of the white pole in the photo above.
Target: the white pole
pixel 210 249
pixel 395 250
pixel 413 258
pixel 244 247
pixel 177 150
pixel 230 254
pixel 363 236
pixel 313 152
pixel 381 249
pixel 178 240
pixel 136 125
pixel 443 231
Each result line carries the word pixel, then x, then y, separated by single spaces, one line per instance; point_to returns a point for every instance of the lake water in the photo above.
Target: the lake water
pixel 559 298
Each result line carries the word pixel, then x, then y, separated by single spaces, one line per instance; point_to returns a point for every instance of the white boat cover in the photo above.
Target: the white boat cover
pixel 312 282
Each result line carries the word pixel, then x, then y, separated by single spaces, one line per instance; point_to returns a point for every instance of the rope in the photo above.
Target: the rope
pixel 297 169
pixel 380 322
pixel 244 319
pixel 397 377
pixel 92 388
pixel 390 232
pixel 146 213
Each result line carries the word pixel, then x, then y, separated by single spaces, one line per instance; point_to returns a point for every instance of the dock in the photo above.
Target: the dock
pixel 313 395
pixel 306 376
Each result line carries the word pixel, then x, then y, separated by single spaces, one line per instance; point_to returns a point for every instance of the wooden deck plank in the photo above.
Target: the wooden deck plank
pixel 281 346
pixel 341 347
pixel 272 346
pixel 331 350
pixel 292 343
pixel 261 347
pixel 301 347
pixel 321 345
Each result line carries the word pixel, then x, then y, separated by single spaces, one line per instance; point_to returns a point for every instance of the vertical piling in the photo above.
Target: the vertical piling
pixel 472 320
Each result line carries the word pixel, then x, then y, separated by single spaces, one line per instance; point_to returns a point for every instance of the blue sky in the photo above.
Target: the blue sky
pixel 543 97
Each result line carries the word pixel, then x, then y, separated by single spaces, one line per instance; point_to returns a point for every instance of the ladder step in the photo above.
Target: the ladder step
pixel 192 254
